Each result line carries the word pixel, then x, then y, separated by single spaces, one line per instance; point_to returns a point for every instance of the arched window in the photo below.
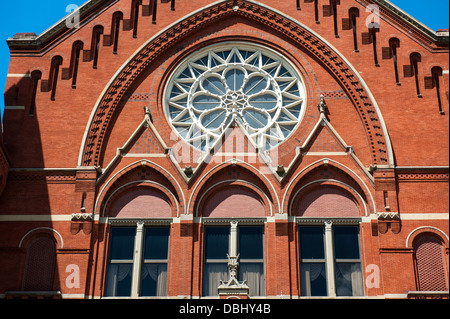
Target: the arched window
pixel 415 58
pixel 40 265
pixel 117 17
pixel 54 73
pixel 391 52
pixel 136 10
pixel 35 78
pixel 77 47
pixel 436 74
pixel 334 4
pixel 430 263
pixel 95 44
pixel 316 10
pixel 353 14
pixel 371 37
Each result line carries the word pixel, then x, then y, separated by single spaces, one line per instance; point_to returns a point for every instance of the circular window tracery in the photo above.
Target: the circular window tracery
pixel 245 83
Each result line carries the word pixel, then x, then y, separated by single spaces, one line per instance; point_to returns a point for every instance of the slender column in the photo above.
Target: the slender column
pixel 233 239
pixel 137 260
pixel 329 258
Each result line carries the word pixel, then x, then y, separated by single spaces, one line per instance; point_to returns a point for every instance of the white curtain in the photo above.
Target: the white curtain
pixel 213 274
pixel 309 273
pixel 349 281
pixel 117 273
pixel 158 273
pixel 253 273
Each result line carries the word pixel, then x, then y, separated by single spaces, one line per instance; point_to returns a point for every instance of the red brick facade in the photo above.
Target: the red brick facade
pixel 88 145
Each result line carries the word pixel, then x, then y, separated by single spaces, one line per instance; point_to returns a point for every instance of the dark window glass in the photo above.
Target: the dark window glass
pixel 251 243
pixel 122 243
pixel 118 280
pixel 346 243
pixel 216 242
pixel 154 279
pixel 311 242
pixel 156 244
pixel 313 279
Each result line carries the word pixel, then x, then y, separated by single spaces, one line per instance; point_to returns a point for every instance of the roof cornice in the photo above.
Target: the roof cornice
pixel 32 42
pixel 435 36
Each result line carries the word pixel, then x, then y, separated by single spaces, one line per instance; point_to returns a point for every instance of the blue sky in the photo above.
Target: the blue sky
pixel 37 16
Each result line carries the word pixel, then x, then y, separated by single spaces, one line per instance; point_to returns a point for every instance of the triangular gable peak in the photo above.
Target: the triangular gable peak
pixel 323 140
pixel 234 144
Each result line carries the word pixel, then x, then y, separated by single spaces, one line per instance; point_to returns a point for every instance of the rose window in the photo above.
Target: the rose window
pixel 246 84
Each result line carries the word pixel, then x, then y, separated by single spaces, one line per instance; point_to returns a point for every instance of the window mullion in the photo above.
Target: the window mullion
pixel 137 261
pixel 329 254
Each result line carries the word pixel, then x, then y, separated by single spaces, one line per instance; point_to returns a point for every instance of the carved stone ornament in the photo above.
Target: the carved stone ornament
pixel 233 286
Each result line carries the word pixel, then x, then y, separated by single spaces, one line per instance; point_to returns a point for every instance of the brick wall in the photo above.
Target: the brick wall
pixel 72 157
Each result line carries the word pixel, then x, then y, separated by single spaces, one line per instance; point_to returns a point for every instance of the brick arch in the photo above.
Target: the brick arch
pixel 329 173
pixel 245 190
pixel 308 40
pixel 130 176
pixel 343 195
pixel 42 232
pixel 420 231
pixel 253 179
pixel 134 188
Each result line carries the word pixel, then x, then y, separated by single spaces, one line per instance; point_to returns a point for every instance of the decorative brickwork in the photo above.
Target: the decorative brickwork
pixel 88 146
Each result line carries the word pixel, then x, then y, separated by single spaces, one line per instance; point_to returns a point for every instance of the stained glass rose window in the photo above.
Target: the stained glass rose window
pixel 241 82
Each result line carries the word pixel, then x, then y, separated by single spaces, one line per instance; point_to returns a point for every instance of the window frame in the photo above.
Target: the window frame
pixel 226 222
pixel 329 249
pixel 138 252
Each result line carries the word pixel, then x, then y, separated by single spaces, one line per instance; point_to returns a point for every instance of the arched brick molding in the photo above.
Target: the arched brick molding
pixel 329 174
pixel 141 199
pixel 230 172
pixel 327 199
pixel 233 199
pixel 42 231
pixel 140 174
pixel 426 229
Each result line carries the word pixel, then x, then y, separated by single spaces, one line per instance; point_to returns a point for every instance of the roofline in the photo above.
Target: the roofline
pixel 30 41
pixel 440 35
pixel 37 42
